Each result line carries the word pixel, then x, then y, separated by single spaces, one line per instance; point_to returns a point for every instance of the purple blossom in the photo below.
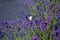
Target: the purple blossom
pixel 57 5
pixel 38 6
pixel 43 26
pixel 37 22
pixel 57 14
pixel 48 3
pixel 57 38
pixel 40 11
pixel 21 21
pixel 55 27
pixel 31 23
pixel 58 30
pixel 4 23
pixel 26 26
pixel 35 38
pixel 52 33
pixel 2 33
pixel 7 25
pixel 44 2
pixel 49 16
pixel 40 19
pixel 1 27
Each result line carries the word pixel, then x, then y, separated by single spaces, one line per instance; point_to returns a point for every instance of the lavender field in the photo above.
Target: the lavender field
pixel 41 21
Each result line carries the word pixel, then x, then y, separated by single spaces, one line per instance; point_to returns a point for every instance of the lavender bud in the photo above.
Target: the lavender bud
pixel 35 38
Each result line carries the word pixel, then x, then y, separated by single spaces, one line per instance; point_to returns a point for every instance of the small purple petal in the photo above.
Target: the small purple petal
pixel 58 30
pixel 31 23
pixel 37 22
pixel 40 11
pixel 57 38
pixel 35 38
pixel 43 26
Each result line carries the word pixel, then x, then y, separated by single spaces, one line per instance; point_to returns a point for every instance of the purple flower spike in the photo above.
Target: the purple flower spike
pixel 31 23
pixel 2 33
pixel 53 33
pixel 57 14
pixel 38 6
pixel 4 23
pixel 57 38
pixel 43 26
pixel 49 16
pixel 35 38
pixel 37 22
pixel 21 21
pixel 26 17
pixel 44 1
pixel 40 11
pixel 58 30
pixel 48 3
pixel 1 27
pixel 26 26
pixel 57 5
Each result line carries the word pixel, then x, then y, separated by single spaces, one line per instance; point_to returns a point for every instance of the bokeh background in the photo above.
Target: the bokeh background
pixel 9 7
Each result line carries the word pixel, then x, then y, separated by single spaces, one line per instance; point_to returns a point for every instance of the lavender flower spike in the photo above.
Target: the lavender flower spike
pixel 35 38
